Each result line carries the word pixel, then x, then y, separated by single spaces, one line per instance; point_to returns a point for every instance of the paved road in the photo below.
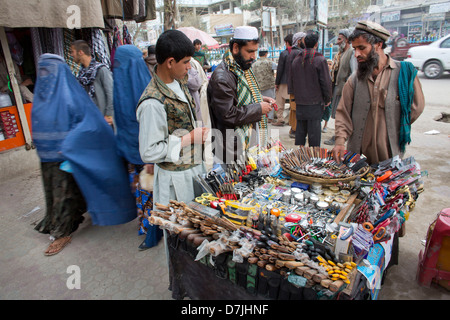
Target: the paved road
pixel 111 267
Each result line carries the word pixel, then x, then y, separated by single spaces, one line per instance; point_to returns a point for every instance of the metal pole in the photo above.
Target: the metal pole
pixel 16 90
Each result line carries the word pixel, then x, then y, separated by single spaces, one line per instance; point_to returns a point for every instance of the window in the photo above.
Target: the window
pixel 446 43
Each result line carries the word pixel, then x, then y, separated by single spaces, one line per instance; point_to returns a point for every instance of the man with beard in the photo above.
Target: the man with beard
pixel 379 103
pixel 311 85
pixel 237 109
pixel 344 64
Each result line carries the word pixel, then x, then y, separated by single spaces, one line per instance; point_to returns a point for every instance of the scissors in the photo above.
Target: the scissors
pixel 379 232
pixel 205 199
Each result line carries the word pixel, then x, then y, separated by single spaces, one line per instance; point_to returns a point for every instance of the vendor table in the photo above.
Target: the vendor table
pixel 201 280
pixel 288 240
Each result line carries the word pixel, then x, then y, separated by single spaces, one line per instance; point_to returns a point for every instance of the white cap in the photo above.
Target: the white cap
pixel 246 33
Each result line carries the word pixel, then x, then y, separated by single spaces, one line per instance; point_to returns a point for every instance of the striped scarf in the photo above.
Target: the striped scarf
pixel 406 95
pixel 248 92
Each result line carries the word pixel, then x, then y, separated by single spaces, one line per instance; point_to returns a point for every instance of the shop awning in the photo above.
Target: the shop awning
pixel 51 14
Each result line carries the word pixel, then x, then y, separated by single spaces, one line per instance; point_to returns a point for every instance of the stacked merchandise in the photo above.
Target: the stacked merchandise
pixel 331 240
pixel 8 125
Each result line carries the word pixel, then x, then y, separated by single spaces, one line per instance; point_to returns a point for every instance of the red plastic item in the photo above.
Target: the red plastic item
pixel 434 263
pixel 293 217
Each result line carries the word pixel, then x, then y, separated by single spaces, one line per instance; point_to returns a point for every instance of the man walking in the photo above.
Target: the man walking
pixel 281 80
pixel 311 85
pixel 379 103
pixel 264 73
pixel 237 108
pixel 344 64
pixel 95 78
pixel 298 45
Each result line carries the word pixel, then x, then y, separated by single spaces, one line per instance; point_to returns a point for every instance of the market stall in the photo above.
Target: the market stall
pixel 16 17
pixel 290 224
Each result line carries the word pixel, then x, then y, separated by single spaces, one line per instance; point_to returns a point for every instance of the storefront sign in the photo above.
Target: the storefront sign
pixel 390 16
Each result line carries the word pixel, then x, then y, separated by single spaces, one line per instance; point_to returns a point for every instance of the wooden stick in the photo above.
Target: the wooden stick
pixel 344 211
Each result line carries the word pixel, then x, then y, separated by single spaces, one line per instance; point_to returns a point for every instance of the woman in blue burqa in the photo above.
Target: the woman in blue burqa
pixel 81 168
pixel 131 77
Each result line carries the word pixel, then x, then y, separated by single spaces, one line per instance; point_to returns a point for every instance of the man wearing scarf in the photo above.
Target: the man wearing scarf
pixel 379 103
pixel 311 85
pixel 95 78
pixel 238 110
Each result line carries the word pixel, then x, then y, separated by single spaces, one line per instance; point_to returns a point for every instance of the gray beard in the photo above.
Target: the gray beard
pixel 366 68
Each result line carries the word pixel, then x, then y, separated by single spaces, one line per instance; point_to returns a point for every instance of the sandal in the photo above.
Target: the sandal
pixel 57 245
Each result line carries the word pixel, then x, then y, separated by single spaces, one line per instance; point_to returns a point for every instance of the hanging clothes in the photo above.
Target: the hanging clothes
pixel 117 41
pixel 126 35
pixel 99 49
pixel 69 38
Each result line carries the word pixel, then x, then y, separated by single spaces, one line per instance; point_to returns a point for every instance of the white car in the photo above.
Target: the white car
pixel 432 59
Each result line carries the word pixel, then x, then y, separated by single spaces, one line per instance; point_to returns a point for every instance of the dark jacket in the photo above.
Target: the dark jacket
pixel 310 79
pixel 289 59
pixel 282 67
pixel 222 102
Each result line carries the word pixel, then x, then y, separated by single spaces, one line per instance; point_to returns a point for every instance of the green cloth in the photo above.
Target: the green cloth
pixel 406 94
pixel 200 57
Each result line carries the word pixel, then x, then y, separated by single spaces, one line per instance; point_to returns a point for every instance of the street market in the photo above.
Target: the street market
pixel 282 223
pixel 278 234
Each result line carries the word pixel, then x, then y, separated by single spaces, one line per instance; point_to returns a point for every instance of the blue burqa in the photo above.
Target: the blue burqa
pixel 67 125
pixel 131 77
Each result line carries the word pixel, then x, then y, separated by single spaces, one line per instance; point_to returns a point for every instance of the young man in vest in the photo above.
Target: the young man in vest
pixel 369 116
pixel 168 133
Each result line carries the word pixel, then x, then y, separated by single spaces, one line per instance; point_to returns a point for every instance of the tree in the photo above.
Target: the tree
pixel 297 10
pixel 350 11
pixel 170 13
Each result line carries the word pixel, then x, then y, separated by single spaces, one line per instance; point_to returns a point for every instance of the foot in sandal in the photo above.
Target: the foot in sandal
pixel 57 245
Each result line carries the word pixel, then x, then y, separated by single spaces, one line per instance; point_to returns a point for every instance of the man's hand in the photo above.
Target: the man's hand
pixel 27 82
pixel 196 136
pixel 149 168
pixel 269 100
pixel 266 107
pixel 338 153
pixel 109 119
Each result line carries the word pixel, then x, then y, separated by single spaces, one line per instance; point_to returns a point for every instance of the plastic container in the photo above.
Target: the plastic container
pixel 5 100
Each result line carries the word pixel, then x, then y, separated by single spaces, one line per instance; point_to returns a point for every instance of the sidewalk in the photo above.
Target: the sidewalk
pixel 110 264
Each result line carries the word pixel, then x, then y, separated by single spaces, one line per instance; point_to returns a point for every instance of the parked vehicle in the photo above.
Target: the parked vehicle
pixel 432 59
pixel 399 49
